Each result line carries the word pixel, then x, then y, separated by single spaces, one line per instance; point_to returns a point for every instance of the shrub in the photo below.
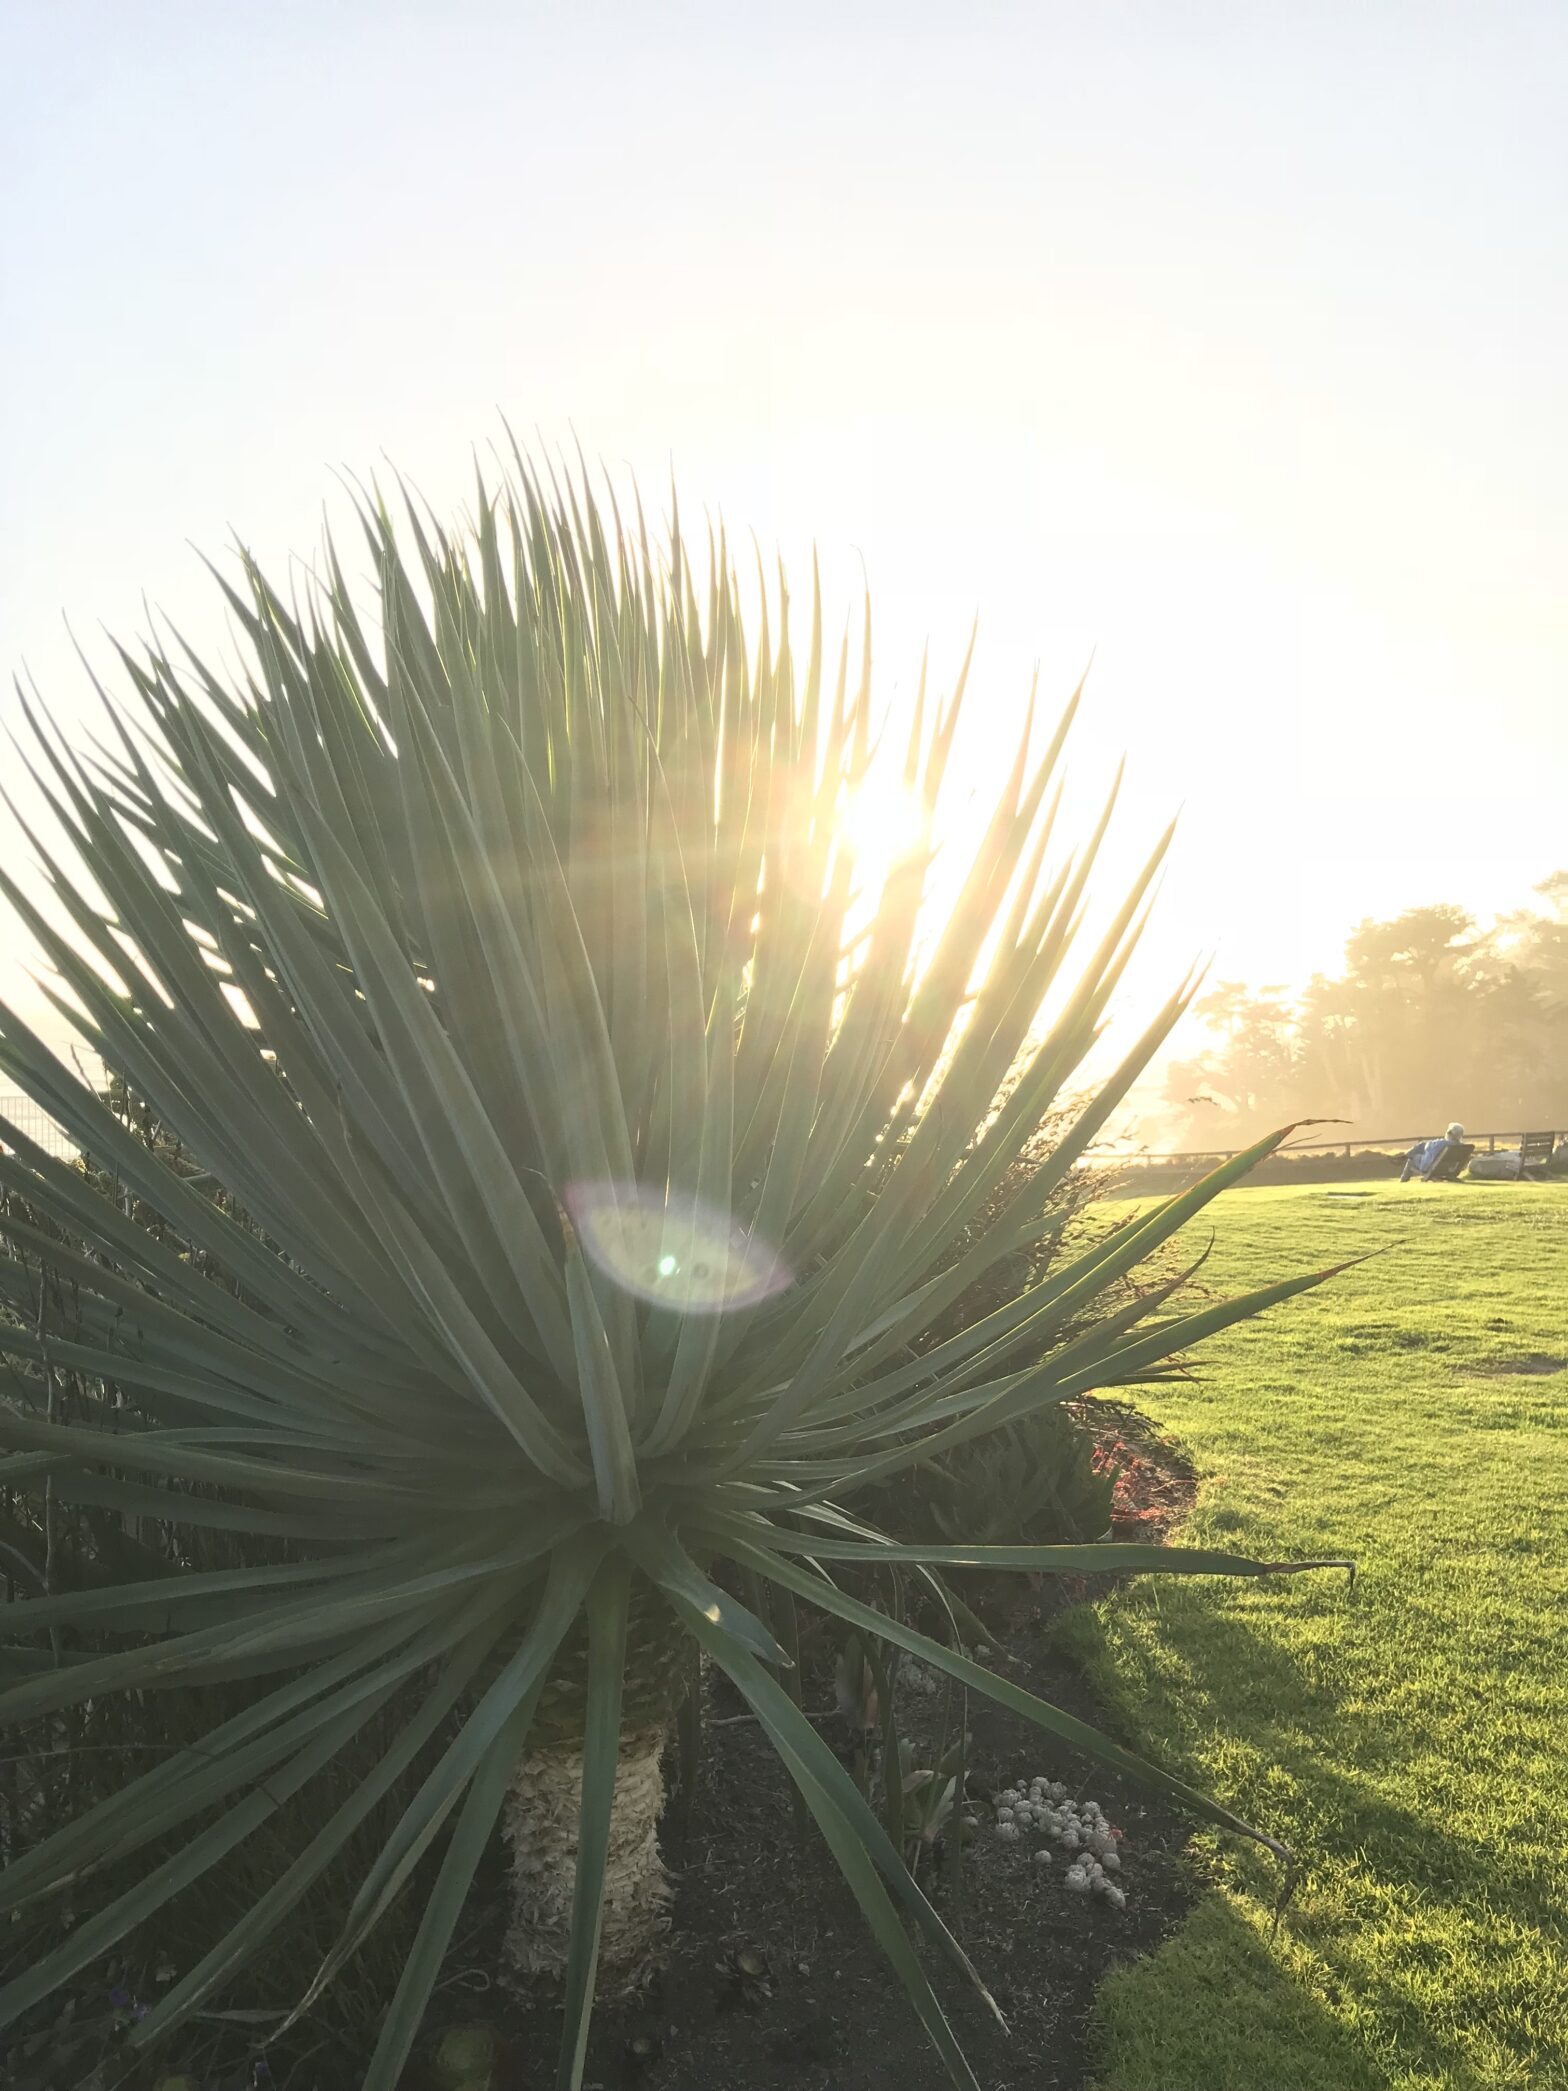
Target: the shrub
pixel 581 1148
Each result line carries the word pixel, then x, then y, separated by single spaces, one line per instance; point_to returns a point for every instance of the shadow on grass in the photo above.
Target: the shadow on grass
pixel 1255 1689
pixel 1212 2009
pixel 1398 1874
pixel 1219 2006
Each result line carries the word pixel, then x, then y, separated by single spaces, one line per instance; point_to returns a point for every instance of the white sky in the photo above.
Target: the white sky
pixel 1225 341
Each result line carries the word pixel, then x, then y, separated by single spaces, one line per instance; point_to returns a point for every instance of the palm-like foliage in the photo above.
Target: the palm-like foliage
pixel 483 957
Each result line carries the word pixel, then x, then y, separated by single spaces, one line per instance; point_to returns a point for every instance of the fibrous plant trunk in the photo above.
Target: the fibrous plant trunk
pixel 544 1808
pixel 541 1826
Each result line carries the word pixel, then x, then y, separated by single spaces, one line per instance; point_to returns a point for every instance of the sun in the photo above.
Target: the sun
pixel 884 825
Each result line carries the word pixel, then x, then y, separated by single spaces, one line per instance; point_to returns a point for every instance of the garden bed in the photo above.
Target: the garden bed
pixel 821 2008
pixel 773 1982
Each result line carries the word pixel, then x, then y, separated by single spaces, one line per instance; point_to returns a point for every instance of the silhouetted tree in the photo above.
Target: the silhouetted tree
pixel 1431 1018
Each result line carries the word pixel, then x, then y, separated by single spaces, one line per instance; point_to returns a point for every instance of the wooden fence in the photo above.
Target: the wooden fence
pixel 1387 1144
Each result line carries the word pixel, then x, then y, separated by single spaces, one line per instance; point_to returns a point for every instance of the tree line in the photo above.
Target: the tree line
pixel 1431 1018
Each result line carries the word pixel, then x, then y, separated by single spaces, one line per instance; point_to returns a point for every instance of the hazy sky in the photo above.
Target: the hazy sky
pixel 1226 341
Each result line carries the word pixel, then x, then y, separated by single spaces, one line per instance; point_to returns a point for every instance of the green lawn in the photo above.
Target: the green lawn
pixel 1408 1738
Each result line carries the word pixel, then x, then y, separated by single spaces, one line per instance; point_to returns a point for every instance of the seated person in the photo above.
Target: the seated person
pixel 1426 1154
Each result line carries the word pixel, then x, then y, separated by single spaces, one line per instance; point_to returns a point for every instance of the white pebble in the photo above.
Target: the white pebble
pixel 1070 1839
pixel 1008 1832
pixel 1113 1861
pixel 1115 1896
pixel 1042 1858
pixel 1076 1881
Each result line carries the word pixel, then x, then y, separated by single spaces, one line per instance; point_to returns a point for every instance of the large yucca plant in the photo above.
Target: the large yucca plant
pixel 594 1148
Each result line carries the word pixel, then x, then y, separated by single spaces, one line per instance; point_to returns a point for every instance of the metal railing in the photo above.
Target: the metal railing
pixel 34 1121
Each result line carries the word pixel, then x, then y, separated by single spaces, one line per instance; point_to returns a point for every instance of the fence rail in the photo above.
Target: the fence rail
pixel 1387 1143
pixel 34 1121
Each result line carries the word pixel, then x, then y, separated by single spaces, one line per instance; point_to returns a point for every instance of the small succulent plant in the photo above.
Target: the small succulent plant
pixel 928 1805
pixel 932 1794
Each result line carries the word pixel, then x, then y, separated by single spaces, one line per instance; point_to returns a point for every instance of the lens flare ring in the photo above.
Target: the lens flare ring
pixel 672 1249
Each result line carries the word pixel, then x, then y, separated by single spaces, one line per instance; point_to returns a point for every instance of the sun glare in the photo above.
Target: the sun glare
pixel 885 824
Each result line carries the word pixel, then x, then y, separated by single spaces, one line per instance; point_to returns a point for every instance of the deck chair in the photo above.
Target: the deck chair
pixel 1447 1166
pixel 1535 1151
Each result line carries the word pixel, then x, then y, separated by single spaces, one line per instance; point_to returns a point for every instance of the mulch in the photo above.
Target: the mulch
pixel 1155 1480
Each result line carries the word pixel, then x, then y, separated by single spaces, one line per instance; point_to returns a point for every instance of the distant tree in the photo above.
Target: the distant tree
pixel 1538 943
pixel 1431 1018
pixel 1251 1068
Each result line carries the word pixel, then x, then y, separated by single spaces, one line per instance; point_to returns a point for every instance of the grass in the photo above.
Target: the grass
pixel 1406 1738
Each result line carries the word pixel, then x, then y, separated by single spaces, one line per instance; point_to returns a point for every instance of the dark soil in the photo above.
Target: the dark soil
pixel 828 2012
